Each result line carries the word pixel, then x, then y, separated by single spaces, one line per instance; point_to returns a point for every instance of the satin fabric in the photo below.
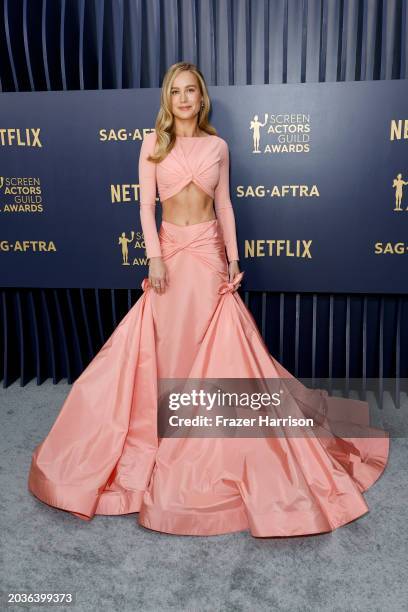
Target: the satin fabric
pixel 102 454
pixel 200 160
pixel 195 159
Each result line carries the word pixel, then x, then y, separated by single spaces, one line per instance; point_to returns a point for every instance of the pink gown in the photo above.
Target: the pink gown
pixel 103 454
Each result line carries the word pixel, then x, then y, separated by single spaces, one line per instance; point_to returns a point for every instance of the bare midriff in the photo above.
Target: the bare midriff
pixel 191 205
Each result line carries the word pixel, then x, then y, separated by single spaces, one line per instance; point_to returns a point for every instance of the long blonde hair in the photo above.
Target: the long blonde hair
pixel 164 125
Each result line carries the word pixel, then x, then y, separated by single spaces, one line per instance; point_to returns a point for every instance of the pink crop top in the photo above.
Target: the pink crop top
pixel 203 160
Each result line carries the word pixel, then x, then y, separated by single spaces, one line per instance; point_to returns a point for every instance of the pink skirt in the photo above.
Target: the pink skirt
pixel 103 454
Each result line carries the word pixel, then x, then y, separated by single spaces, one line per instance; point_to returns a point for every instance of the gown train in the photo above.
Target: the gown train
pixel 103 455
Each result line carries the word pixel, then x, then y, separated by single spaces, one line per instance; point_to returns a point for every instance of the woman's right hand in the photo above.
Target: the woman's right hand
pixel 158 274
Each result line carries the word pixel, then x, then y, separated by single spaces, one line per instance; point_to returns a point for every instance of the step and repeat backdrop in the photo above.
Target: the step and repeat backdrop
pixel 318 178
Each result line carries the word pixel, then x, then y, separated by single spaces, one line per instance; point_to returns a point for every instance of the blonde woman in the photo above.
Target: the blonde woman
pixel 104 454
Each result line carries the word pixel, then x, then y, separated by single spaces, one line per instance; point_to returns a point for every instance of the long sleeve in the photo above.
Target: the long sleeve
pixel 223 206
pixel 147 197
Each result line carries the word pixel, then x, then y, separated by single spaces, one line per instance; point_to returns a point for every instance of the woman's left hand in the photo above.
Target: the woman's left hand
pixel 233 270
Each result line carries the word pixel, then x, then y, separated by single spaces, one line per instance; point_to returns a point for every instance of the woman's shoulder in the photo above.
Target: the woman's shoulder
pixel 148 143
pixel 222 142
pixel 223 147
pixel 150 137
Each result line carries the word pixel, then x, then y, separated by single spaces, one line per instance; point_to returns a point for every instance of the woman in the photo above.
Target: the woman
pixel 105 453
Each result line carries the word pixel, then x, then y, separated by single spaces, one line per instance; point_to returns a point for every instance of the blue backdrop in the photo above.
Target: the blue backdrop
pixel 314 183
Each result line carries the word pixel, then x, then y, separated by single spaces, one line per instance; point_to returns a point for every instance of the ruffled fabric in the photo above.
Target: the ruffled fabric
pixel 103 454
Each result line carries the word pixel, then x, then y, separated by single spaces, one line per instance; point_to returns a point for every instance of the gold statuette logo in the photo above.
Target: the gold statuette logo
pixel 138 243
pixel 124 241
pixel 398 185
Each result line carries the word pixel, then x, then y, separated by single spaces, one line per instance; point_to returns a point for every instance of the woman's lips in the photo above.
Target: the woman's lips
pixel 184 107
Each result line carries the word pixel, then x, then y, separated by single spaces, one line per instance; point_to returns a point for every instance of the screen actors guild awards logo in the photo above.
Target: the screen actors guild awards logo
pixel 398 186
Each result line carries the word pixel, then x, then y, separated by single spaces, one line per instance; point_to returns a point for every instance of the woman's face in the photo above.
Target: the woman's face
pixel 185 95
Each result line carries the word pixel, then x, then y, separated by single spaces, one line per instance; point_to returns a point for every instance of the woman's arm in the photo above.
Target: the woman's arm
pixel 223 206
pixel 147 197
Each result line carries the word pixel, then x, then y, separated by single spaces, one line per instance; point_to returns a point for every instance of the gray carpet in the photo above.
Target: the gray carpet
pixel 112 563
